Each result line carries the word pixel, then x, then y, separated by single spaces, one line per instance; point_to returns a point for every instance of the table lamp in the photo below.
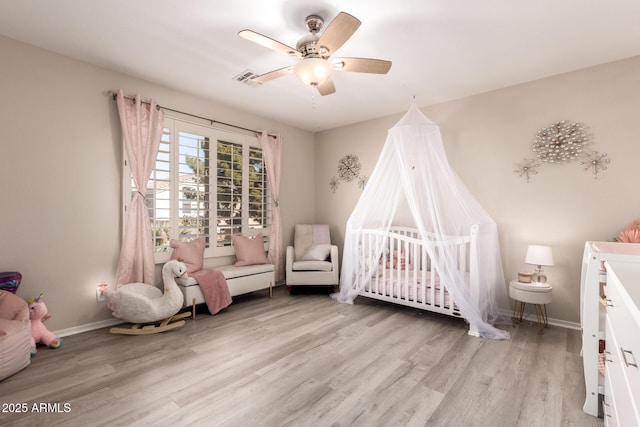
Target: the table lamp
pixel 539 255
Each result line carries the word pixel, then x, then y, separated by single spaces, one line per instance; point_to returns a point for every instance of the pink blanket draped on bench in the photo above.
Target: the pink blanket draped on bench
pixel 214 289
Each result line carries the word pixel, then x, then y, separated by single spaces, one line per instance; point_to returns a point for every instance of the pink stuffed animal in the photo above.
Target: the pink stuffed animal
pixel 631 234
pixel 39 333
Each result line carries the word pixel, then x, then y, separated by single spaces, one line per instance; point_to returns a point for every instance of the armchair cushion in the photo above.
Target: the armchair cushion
pixel 307 235
pixel 317 253
pixel 312 266
pixel 13 307
pixel 302 239
pixel 15 334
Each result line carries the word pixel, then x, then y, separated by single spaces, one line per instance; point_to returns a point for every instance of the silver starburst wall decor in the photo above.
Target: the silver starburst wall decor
pixel 334 183
pixel 526 168
pixel 595 162
pixel 362 181
pixel 562 142
pixel 348 170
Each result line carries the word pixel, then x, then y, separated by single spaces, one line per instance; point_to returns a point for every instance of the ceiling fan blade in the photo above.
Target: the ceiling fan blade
pixel 362 65
pixel 281 72
pixel 337 32
pixel 269 43
pixel 326 88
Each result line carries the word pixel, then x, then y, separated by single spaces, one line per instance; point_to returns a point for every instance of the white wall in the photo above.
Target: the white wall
pixel 60 179
pixel 61 152
pixel 485 135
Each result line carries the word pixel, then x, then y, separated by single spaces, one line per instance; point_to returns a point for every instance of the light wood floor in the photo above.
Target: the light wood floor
pixel 306 360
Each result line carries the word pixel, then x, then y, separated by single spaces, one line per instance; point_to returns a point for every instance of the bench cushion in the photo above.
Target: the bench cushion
pixel 231 272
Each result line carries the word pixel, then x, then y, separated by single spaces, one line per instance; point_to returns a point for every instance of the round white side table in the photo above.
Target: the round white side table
pixel 538 294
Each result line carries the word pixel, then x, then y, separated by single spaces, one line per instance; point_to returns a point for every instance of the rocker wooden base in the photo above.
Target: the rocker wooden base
pixel 168 324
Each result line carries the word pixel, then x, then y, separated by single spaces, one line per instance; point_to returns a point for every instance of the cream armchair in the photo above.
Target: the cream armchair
pixel 312 260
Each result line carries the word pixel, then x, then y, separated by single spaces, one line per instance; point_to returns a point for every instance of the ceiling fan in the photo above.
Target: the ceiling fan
pixel 314 51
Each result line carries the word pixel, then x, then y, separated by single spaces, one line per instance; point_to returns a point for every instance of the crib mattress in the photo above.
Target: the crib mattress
pixel 408 286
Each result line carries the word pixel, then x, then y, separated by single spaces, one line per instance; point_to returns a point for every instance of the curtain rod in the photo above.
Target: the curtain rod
pixel 212 121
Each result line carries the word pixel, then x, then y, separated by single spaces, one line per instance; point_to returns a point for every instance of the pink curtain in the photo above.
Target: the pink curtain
pixel 141 131
pixel 272 153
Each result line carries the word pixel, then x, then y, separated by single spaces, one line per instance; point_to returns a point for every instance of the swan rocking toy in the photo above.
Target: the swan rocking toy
pixel 147 307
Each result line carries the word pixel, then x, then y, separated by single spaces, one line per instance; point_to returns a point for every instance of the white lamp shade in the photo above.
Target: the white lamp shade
pixel 313 71
pixel 539 255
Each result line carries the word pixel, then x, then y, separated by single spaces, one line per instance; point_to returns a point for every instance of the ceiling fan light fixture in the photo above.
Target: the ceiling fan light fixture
pixel 313 71
pixel 316 66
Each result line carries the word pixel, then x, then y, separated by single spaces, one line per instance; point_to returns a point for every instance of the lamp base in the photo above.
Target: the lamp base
pixel 539 276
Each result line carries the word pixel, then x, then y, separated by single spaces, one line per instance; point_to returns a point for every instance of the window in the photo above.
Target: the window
pixel 187 198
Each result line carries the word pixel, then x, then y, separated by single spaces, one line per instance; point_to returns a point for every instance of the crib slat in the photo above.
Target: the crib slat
pixel 432 281
pixel 404 267
pixel 414 267
pixel 370 264
pixel 442 287
pixel 423 274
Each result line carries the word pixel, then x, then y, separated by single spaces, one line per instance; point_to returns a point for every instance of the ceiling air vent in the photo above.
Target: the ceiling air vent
pixel 246 77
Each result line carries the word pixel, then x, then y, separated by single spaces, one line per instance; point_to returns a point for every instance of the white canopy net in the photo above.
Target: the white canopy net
pixel 413 185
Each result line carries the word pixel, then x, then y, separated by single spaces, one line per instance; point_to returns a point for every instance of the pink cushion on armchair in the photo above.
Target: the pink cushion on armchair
pixel 15 334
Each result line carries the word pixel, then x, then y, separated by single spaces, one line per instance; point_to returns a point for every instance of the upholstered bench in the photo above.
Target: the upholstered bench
pixel 251 271
pixel 240 279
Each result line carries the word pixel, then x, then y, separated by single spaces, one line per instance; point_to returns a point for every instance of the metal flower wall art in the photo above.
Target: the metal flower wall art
pixel 348 170
pixel 595 162
pixel 526 168
pixel 334 183
pixel 362 181
pixel 562 142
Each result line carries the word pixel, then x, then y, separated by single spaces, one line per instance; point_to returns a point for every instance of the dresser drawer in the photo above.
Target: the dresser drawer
pixel 609 404
pixel 624 322
pixel 623 343
pixel 618 390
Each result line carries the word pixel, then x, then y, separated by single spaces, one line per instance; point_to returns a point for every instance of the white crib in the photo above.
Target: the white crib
pixel 402 273
pixel 592 312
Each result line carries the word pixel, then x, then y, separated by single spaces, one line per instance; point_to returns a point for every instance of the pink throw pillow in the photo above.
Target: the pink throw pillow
pixel 249 250
pixel 191 253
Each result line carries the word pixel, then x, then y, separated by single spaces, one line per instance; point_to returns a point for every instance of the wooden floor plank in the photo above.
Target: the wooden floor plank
pixel 302 359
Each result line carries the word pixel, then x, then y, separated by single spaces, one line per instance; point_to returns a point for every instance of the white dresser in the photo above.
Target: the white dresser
pixel 622 379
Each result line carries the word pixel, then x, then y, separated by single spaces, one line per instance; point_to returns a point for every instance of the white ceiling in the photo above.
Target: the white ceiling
pixel 441 49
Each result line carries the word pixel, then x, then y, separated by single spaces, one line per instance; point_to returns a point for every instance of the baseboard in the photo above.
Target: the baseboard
pixel 565 324
pixel 96 325
pixel 531 317
pixel 87 327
